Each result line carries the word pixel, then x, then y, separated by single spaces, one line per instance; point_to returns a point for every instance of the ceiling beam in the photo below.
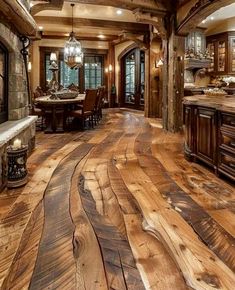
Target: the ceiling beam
pixel 93 23
pixel 64 36
pixel 52 5
pixel 125 4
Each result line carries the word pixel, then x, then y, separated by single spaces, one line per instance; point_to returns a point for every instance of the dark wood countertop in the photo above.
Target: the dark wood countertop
pixel 223 103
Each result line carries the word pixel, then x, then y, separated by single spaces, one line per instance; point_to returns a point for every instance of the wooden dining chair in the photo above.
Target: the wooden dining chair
pixel 99 104
pixel 87 109
pixel 36 110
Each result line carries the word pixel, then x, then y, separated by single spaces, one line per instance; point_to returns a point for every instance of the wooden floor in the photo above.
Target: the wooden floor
pixel 117 207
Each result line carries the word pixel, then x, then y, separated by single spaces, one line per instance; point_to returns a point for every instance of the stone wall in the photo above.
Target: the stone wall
pixel 17 100
pixel 17 86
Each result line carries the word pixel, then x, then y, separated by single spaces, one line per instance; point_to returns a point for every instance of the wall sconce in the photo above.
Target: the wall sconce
pixel 110 68
pixel 53 56
pixel 106 70
pixel 180 58
pixel 159 63
pixel 29 66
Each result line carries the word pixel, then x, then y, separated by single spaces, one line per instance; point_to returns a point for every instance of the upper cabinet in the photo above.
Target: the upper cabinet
pixel 222 50
pixel 232 54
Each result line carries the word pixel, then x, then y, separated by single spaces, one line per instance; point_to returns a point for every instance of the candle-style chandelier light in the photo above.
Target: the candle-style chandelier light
pixel 73 55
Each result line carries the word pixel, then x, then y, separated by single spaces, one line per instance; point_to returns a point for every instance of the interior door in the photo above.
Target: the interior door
pixel 133 70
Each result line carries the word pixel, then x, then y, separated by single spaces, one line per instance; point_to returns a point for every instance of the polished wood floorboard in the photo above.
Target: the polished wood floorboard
pixel 117 207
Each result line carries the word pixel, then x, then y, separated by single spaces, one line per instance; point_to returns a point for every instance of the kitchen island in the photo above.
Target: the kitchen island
pixel 210 132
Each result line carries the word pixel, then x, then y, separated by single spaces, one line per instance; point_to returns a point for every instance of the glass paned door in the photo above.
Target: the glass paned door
pixel 221 56
pixel 130 78
pixel 232 54
pixel 142 77
pixel 211 49
pixel 133 77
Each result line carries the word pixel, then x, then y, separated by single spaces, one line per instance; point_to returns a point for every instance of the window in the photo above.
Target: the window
pixel 90 75
pixel 3 84
pixel 66 75
pixel 93 71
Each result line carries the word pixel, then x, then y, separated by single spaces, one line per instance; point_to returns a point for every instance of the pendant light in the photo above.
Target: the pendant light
pixel 73 55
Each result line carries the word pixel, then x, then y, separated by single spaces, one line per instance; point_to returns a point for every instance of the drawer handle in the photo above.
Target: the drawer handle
pixel 231 164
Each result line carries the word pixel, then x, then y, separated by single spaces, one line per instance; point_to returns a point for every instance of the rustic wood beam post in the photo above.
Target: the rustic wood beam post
pixel 152 95
pixel 176 48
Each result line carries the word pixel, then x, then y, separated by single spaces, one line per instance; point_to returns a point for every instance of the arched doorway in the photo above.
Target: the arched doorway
pixel 132 79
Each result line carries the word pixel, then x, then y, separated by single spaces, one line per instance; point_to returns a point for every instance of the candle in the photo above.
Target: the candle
pixel 17 144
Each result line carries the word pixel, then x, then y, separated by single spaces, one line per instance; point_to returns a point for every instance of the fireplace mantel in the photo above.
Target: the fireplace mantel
pixel 18 15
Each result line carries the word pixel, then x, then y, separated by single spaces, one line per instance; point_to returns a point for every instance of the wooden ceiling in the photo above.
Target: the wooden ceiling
pixel 91 18
pixel 98 22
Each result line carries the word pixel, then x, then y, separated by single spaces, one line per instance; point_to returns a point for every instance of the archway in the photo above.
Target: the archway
pixel 197 12
pixel 132 78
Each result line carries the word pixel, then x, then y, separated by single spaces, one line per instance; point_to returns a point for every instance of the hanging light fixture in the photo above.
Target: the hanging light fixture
pixel 73 55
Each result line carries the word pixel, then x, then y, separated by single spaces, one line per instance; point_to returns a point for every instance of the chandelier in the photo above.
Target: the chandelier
pixel 73 55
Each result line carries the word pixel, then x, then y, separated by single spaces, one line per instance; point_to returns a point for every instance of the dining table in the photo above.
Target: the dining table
pixel 55 111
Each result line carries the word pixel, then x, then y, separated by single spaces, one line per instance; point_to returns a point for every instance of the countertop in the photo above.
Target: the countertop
pixel 223 103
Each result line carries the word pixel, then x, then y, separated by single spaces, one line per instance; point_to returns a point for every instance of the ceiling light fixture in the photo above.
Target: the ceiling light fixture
pixel 101 36
pixel 119 12
pixel 40 28
pixel 203 21
pixel 212 17
pixel 73 55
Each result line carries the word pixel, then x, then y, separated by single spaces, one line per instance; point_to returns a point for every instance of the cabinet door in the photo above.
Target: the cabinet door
pixel 206 135
pixel 211 49
pixel 189 131
pixel 221 56
pixel 232 54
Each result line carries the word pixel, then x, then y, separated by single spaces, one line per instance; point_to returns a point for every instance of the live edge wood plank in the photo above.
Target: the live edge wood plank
pixel 117 207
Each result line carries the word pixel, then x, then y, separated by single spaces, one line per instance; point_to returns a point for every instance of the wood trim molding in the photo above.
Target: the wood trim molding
pixel 126 50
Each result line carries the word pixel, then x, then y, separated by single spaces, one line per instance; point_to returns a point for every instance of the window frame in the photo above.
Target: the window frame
pixel 87 53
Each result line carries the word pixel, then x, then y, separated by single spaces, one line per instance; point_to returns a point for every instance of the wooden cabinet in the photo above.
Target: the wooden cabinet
pixel 206 135
pixel 189 135
pixel 222 50
pixel 232 54
pixel 210 138
pixel 226 150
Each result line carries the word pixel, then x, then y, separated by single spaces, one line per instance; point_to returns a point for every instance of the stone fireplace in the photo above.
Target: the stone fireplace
pixel 15 121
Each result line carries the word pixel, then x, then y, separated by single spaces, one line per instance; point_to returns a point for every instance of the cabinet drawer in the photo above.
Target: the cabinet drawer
pixel 228 120
pixel 227 162
pixel 227 140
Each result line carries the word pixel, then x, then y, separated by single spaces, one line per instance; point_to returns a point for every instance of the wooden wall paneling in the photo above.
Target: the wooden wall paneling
pixel 147 97
pixel 175 82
